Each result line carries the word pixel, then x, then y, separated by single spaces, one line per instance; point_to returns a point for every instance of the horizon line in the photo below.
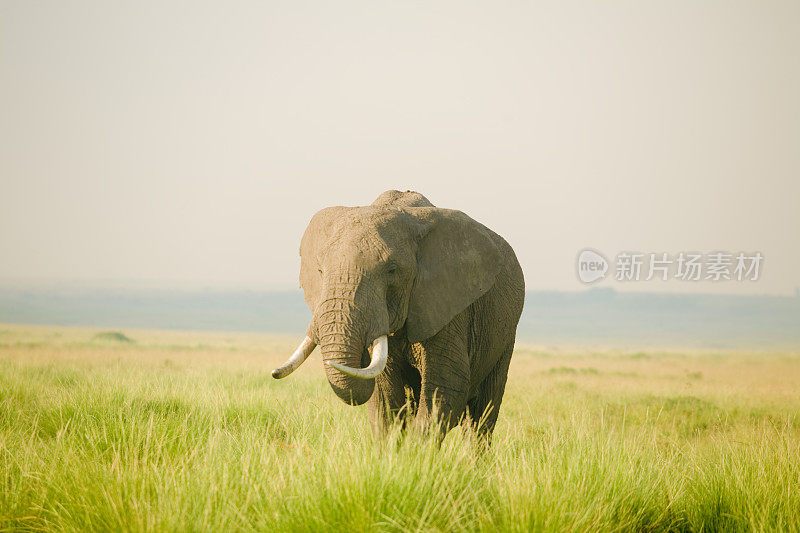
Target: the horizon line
pixel 216 286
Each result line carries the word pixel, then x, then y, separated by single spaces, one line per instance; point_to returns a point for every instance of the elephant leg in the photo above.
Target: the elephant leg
pixel 394 393
pixel 485 406
pixel 443 365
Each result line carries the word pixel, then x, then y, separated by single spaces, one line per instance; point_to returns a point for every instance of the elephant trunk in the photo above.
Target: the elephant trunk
pixel 343 330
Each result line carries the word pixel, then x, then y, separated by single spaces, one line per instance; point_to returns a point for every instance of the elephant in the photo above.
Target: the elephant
pixel 414 307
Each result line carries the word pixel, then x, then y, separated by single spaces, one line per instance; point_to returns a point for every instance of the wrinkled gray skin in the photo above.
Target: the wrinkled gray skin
pixel 447 290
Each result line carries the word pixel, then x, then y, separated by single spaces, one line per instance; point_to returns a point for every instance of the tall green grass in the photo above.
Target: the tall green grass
pixel 190 433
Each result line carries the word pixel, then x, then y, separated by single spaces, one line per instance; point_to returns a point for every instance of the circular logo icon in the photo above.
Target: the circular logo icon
pixel 591 266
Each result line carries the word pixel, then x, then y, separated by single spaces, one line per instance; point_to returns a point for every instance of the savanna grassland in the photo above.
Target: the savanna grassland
pixel 164 431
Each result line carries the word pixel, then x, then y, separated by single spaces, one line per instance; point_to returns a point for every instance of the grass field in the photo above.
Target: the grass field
pixel 165 431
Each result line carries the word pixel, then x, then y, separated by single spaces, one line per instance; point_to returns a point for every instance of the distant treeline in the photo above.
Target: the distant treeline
pixel 596 317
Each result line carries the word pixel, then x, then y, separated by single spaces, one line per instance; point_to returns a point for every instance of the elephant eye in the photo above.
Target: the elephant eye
pixel 391 270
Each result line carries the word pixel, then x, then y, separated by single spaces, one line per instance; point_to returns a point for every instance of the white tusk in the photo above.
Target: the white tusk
pixel 380 351
pixel 297 358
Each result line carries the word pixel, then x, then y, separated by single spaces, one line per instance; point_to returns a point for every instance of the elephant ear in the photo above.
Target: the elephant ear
pixel 458 261
pixel 319 230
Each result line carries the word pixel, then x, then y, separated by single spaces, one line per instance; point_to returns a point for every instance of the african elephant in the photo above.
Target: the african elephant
pixel 414 303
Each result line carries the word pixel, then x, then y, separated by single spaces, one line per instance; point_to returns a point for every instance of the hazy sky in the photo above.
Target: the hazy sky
pixel 190 143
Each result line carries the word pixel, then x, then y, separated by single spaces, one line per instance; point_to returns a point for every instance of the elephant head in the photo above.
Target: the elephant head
pixel 400 266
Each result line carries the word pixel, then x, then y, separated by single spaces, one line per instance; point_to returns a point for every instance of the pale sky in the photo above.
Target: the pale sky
pixel 185 143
